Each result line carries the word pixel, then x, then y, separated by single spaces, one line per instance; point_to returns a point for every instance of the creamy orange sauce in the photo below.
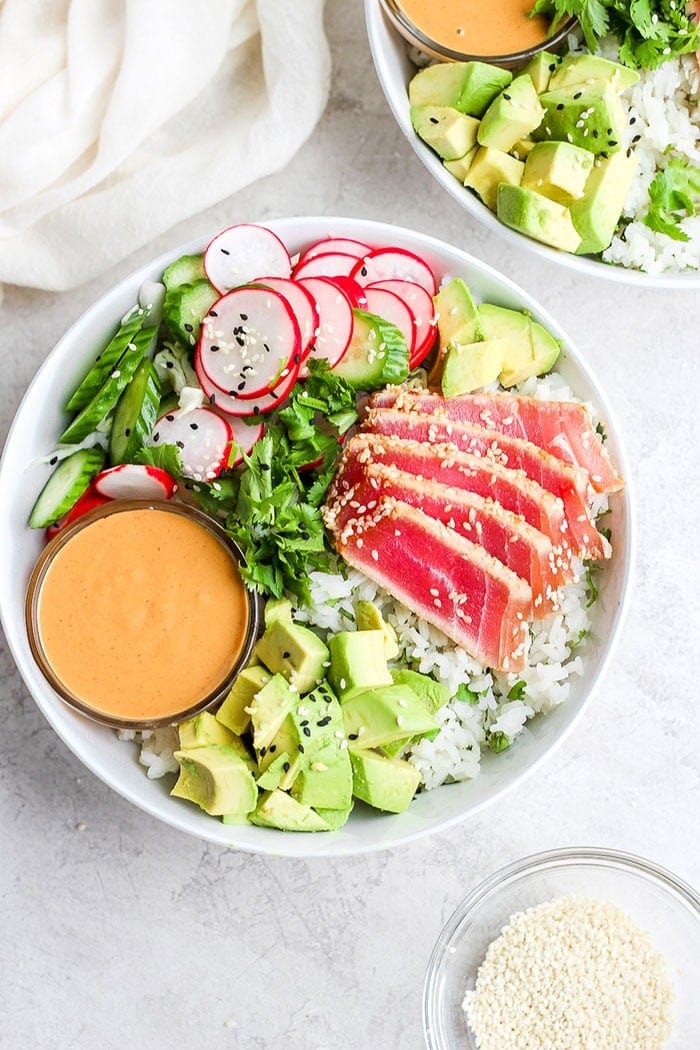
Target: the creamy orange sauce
pixel 142 614
pixel 478 27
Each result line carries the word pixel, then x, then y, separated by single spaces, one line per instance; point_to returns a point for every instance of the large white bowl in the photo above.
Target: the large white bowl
pixel 40 419
pixel 395 71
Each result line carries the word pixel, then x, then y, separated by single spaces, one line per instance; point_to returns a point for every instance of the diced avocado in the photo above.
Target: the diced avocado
pixel 377 354
pixel 450 133
pixel 531 349
pixel 234 818
pixel 597 214
pixel 468 86
pixel 522 149
pixel 233 713
pixel 384 783
pixel 512 114
pixel 285 742
pixel 202 731
pixel 377 716
pixel 540 69
pixel 458 320
pixel 217 779
pixel 582 69
pixel 498 322
pixel 358 661
pixel 471 366
pixel 277 609
pixel 489 169
pixel 296 652
pixel 433 694
pixel 369 618
pixel 277 809
pixel 537 216
pixel 584 117
pixel 460 167
pixel 327 780
pixel 269 708
pixel 558 170
pixel 272 776
pixel 314 725
pixel 335 818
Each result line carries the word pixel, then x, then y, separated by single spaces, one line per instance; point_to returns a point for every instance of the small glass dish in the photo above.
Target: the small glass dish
pixel 32 617
pixel 658 902
pixel 434 49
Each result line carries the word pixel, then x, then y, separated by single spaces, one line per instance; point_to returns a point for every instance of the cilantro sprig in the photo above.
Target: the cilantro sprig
pixel 673 195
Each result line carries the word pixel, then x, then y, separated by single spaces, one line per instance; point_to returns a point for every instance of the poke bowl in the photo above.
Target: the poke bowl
pixel 26 462
pixel 658 112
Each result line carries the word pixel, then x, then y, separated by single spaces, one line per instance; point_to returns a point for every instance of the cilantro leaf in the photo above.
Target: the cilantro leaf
pixel 673 195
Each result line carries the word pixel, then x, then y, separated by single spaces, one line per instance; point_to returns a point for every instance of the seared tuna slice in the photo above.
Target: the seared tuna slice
pixel 563 428
pixel 447 580
pixel 506 536
pixel 569 483
pixel 446 465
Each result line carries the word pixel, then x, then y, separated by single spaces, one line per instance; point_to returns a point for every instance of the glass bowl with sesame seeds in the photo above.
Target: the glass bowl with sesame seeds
pixel 567 948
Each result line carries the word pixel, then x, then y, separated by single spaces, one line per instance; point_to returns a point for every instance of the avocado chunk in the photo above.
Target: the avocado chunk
pixel 327 780
pixel 378 716
pixel 489 169
pixel 512 114
pixel 460 168
pixel 472 365
pixel 458 322
pixel 314 724
pixel 334 818
pixel 597 214
pixel 233 712
pixel 277 809
pixel 296 652
pixel 537 216
pixel 369 618
pixel 384 783
pixel 532 350
pixel 450 133
pixel 433 694
pixel 582 69
pixel 468 86
pixel 285 742
pixel 217 779
pixel 540 69
pixel 522 149
pixel 203 730
pixel 358 662
pixel 273 775
pixel 268 710
pixel 558 170
pixel 277 609
pixel 583 116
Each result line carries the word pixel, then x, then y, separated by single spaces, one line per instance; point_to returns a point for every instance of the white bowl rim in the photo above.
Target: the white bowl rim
pixel 300 844
pixel 377 25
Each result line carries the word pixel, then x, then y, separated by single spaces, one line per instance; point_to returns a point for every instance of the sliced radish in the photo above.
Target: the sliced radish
pixel 237 255
pixel 344 245
pixel 134 481
pixel 249 341
pixel 335 319
pixel 354 291
pixel 423 307
pixel 88 501
pixel 203 438
pixel 303 306
pixel 235 406
pixel 329 264
pixel 389 306
pixel 384 264
pixel 244 437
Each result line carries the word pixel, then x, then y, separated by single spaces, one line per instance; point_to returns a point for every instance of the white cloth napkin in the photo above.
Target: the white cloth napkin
pixel 118 118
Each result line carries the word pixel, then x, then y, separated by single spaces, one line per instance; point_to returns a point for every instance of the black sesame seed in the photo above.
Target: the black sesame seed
pixel 612 142
pixel 225 251
pixel 240 340
pixel 286 655
pixel 243 317
pixel 323 721
pixel 241 386
pixel 214 349
pixel 633 120
pixel 273 748
pixel 506 97
pixel 188 328
pixel 263 752
pixel 256 410
pixel 194 426
pixel 552 67
pixel 604 155
pixel 301 748
pixel 363 271
pixel 609 131
pixel 578 95
pixel 213 313
pixel 127 431
pixel 156 436
pixel 212 399
pixel 629 152
pixel 353 736
pixel 560 105
pixel 434 120
pixel 170 417
pixel 53 461
pixel 636 138
pixel 305 722
pixel 304 534
pixel 180 444
pixel 286 767
pixel 307 731
pixel 267 348
pixel 595 134
pixel 233 393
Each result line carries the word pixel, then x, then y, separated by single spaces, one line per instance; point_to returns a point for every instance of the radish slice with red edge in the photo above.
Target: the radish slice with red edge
pixel 234 406
pixel 88 501
pixel 203 437
pixel 237 255
pixel 423 307
pixel 244 437
pixel 302 305
pixel 330 264
pixel 393 309
pixel 249 341
pixel 336 319
pixel 384 264
pixel 134 481
pixel 343 245
pixel 354 291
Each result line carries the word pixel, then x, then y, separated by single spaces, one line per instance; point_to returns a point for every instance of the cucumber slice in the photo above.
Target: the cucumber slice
pixel 109 393
pixel 184 308
pixel 66 485
pixel 185 270
pixel 135 414
pixel 377 354
pixel 106 361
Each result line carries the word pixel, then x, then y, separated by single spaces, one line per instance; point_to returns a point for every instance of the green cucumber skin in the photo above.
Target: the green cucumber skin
pixel 186 305
pixel 106 362
pixel 185 270
pixel 66 485
pixel 135 414
pixel 364 374
pixel 109 393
